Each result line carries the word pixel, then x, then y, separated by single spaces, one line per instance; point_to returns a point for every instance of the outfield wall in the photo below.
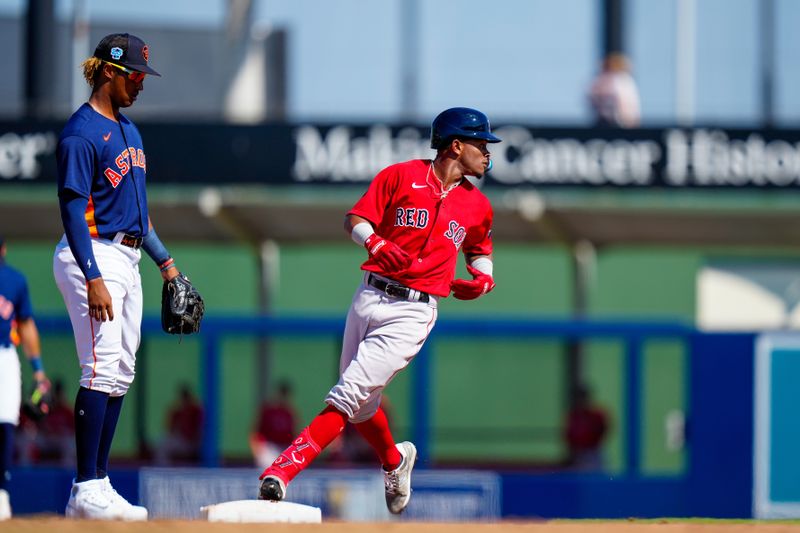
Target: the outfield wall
pixel 719 481
pixel 724 464
pixel 523 414
pixel 533 282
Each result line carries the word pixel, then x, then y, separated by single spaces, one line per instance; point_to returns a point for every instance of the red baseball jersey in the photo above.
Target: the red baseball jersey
pixel 405 204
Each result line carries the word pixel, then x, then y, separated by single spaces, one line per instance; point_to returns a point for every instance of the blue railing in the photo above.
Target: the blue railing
pixel 215 328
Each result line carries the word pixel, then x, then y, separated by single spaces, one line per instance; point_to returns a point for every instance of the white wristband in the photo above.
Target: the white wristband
pixel 361 232
pixel 483 264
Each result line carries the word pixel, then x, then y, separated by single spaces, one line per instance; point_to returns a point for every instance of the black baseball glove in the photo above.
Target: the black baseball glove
pixel 182 306
pixel 38 404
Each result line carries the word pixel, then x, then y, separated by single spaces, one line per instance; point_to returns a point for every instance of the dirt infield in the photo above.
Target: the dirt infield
pixel 61 525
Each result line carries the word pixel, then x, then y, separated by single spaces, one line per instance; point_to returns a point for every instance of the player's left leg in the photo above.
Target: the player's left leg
pixel 377 433
pixel 10 400
pixel 99 349
pixel 325 427
pixel 131 320
pixel 397 460
pixel 6 450
pixel 108 428
pixel 382 337
pixel 129 315
pixel 397 330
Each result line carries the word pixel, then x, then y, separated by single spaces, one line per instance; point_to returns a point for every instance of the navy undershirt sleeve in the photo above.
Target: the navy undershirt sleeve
pixel 75 156
pixel 154 247
pixel 24 310
pixel 73 209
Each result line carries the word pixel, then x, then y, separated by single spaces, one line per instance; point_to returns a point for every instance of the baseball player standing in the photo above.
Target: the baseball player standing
pixel 16 324
pixel 413 220
pixel 101 192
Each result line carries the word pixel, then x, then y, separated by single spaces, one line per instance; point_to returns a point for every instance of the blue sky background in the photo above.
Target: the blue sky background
pixel 526 60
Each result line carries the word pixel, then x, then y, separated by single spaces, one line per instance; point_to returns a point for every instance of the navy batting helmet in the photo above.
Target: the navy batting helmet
pixel 461 122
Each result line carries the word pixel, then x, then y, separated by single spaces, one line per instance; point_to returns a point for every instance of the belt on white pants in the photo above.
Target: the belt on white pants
pixel 396 290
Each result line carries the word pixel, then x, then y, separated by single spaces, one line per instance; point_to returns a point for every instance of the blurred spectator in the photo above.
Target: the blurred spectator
pixel 182 442
pixel 25 436
pixel 614 96
pixel 586 426
pixel 275 427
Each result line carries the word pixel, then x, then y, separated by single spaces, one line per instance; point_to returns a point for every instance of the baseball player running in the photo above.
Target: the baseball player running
pixel 413 220
pixel 101 192
pixel 16 324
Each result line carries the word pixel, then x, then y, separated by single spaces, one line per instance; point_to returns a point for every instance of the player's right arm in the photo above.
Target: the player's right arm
pixel 29 337
pixel 391 258
pixel 75 170
pixel 31 344
pixel 371 207
pixel 351 221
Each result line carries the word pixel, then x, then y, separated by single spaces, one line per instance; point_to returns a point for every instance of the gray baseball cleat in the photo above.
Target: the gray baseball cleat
pixel 272 489
pixel 398 482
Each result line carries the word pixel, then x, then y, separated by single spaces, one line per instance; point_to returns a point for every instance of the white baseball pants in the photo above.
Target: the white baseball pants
pixel 382 336
pixel 10 386
pixel 106 350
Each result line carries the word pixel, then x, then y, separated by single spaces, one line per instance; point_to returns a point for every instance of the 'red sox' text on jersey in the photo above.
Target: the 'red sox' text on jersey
pixel 406 205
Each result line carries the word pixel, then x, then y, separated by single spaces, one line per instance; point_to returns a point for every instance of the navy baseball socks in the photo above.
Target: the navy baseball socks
pixel 92 496
pixel 113 409
pixel 90 414
pixel 6 452
pixel 96 417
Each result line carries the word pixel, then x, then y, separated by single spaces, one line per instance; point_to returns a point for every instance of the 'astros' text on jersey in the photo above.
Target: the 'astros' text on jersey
pixel 103 161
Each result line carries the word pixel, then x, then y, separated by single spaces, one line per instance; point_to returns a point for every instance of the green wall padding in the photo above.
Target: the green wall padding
pixel 509 394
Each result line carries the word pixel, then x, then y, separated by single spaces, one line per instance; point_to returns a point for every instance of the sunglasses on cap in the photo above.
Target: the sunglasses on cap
pixel 133 75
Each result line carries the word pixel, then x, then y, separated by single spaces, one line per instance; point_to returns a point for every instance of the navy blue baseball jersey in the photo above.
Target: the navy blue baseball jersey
pixel 15 304
pixel 104 161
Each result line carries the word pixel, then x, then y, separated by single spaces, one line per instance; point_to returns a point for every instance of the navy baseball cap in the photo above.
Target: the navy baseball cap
pixel 125 50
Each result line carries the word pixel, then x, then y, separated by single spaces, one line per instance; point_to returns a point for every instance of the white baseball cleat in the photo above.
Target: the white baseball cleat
pixel 130 512
pixel 398 482
pixel 5 505
pixel 88 499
